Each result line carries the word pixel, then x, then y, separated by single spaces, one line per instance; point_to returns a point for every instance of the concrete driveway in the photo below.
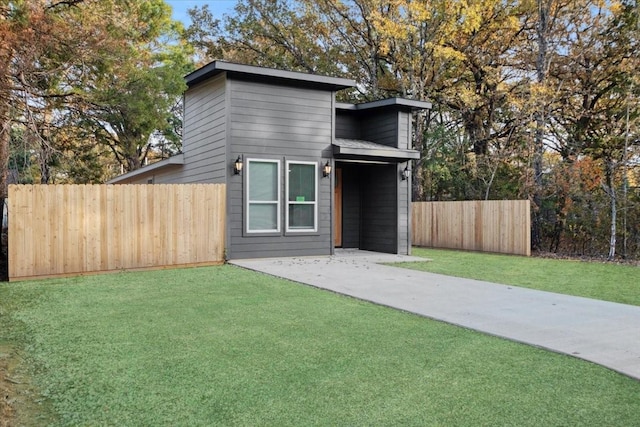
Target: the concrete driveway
pixel 602 332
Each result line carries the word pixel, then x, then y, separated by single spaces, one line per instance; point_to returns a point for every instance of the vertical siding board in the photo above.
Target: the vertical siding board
pixel 197 217
pixel 19 211
pixel 116 242
pixel 79 259
pixel 192 218
pixel 488 226
pixel 65 232
pixel 152 258
pixel 140 221
pixel 468 226
pixel 81 256
pixel 526 228
pixel 133 227
pixel 40 247
pixel 89 230
pixel 103 221
pixel 184 236
pixel 112 215
pixel 126 219
pixel 162 201
pixel 70 232
pixel 180 236
pixel 98 225
pixel 172 244
pixel 71 229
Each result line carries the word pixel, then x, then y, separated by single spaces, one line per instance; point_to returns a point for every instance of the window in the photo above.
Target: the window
pixel 263 196
pixel 302 192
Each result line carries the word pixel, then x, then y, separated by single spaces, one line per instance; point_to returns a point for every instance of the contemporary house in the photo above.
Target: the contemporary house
pixel 304 173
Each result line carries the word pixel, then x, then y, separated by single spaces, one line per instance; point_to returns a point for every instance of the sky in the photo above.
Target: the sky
pixel 217 7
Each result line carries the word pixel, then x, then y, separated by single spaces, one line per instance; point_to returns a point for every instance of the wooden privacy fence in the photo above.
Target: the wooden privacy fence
pixel 71 229
pixel 502 226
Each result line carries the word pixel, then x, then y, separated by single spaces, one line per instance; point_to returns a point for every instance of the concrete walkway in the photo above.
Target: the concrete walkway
pixel 602 332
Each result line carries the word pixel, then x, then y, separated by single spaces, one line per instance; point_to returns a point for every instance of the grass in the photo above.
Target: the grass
pixel 598 280
pixel 225 346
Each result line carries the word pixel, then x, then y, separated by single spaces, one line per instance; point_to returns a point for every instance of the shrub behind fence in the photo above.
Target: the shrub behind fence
pixel 71 229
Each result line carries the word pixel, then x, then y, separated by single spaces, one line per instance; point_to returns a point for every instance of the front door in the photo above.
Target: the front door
pixel 337 210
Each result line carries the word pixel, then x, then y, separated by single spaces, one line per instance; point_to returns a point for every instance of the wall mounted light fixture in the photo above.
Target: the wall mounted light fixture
pixel 237 166
pixel 406 173
pixel 326 169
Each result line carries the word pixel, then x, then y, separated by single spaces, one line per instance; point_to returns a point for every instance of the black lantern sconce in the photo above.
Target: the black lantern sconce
pixel 406 173
pixel 326 169
pixel 237 166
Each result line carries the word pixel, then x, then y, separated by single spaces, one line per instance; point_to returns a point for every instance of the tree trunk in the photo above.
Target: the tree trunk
pixel 5 135
pixel 613 200
pixel 540 122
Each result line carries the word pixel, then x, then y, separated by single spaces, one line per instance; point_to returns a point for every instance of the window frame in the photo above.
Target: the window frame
pixel 288 203
pixel 249 202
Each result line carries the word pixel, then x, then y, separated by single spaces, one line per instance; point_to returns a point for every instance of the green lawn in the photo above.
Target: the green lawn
pixel 225 346
pixel 599 280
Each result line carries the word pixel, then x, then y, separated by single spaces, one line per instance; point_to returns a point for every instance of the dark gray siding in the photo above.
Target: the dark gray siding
pixel 379 228
pixel 280 123
pixel 347 126
pixel 351 206
pixel 381 128
pixel 204 141
pixel 375 209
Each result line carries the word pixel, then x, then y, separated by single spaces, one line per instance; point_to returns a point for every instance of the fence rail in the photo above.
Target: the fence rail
pixel 502 226
pixel 70 229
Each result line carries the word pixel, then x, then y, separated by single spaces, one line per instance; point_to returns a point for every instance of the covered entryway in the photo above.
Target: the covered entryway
pixel 372 197
pixel 368 206
pixel 372 159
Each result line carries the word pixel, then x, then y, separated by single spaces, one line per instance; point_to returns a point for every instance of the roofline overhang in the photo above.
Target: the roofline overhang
pixel 391 155
pixel 398 103
pixel 271 74
pixel 171 162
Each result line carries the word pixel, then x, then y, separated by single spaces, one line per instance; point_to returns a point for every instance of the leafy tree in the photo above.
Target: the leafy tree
pixel 111 66
pixel 131 97
pixel 595 77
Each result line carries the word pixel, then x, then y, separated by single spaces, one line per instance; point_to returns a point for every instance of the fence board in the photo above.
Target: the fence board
pixel 72 229
pixel 502 226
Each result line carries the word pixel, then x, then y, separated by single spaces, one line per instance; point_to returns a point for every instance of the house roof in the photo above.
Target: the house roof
pixel 271 75
pixel 357 149
pixel 171 162
pixel 399 103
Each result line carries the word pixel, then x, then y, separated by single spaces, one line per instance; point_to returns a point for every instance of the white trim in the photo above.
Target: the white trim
pixel 248 201
pixel 314 203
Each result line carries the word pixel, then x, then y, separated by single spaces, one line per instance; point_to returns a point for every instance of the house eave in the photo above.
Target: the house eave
pixel 389 103
pixel 171 162
pixel 267 74
pixel 372 152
